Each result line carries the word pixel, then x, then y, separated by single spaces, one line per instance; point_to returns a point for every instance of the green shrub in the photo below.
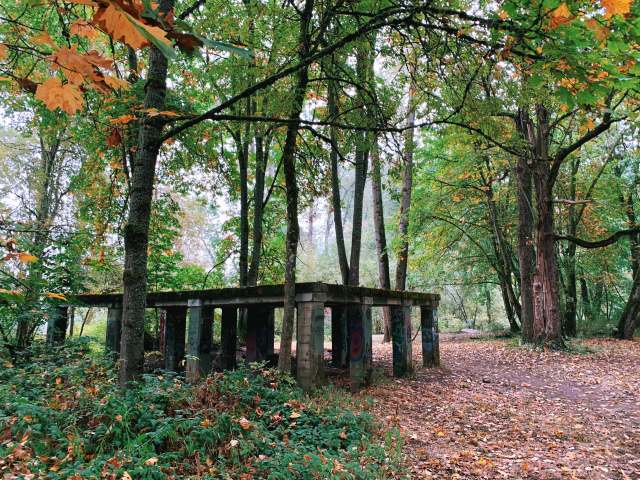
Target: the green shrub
pixel 63 416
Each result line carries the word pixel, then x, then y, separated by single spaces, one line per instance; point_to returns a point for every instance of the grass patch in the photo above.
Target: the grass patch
pixel 63 416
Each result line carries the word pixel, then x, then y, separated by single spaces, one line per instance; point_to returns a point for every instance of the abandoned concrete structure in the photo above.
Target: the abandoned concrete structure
pixel 351 326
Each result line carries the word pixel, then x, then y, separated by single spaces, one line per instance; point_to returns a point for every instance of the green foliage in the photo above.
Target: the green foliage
pixel 63 415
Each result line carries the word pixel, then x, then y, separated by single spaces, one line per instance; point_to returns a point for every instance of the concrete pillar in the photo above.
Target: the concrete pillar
pixel 175 320
pixel 310 344
pixel 199 342
pixel 339 336
pixel 271 331
pixel 114 329
pixel 57 326
pixel 360 344
pixel 258 333
pixel 228 338
pixel 430 337
pixel 401 339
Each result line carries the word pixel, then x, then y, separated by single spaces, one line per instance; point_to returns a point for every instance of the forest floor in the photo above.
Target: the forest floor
pixel 496 409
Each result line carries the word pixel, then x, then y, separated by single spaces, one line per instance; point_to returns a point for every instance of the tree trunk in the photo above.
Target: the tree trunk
pixel 570 287
pixel 526 253
pixel 136 231
pixel 289 166
pixel 504 265
pixel 363 69
pixel 243 164
pixel 547 321
pixel 335 184
pixel 405 204
pixel 630 319
pixel 384 277
pixel 262 158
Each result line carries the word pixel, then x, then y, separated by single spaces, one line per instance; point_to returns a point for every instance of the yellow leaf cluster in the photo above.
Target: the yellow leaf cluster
pixel 614 7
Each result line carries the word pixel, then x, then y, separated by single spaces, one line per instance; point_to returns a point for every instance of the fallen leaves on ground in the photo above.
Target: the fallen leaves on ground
pixel 499 410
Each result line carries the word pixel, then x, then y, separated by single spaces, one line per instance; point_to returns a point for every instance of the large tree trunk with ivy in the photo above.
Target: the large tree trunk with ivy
pixel 289 167
pixel 136 231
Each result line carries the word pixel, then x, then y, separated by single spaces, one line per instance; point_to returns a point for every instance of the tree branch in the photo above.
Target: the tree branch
pixel 600 243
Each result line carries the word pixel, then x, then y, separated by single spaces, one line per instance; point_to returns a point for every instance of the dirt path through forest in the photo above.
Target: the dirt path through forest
pixel 498 410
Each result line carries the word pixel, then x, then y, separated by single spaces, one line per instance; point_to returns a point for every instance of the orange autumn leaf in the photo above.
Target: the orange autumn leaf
pixel 602 33
pixel 614 7
pixel 123 119
pixel 59 296
pixel 123 26
pixel 591 23
pixel 114 139
pixel 83 28
pixel 244 423
pixel 3 51
pixel 26 258
pixel 561 11
pixel 53 93
pixel 44 39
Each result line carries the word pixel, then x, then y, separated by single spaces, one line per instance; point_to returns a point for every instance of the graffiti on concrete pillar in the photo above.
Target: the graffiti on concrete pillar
pixel 357 336
pixel 397 335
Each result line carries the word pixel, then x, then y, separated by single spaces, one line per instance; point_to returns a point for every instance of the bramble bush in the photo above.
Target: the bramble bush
pixel 63 416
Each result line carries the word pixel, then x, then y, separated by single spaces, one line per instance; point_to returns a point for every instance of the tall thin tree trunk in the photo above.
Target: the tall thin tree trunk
pixel 136 231
pixel 384 277
pixel 335 183
pixel 569 325
pixel 405 203
pixel 364 70
pixel 258 213
pixel 289 166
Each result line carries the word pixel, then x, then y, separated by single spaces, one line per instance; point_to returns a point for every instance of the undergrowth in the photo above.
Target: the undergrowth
pixel 63 416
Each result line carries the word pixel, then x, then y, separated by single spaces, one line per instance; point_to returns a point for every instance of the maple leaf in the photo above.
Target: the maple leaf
pixel 561 11
pixel 59 296
pixel 44 39
pixel 3 51
pixel 602 33
pixel 591 23
pixel 83 28
pixel 26 258
pixel 125 25
pixel 53 93
pixel 123 119
pixel 27 85
pixel 80 66
pixel 114 139
pixel 614 7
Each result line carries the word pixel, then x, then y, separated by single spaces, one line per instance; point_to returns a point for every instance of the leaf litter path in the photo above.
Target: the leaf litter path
pixel 499 410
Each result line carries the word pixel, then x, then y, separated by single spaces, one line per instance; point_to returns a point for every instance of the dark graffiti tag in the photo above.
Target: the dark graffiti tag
pixel 357 336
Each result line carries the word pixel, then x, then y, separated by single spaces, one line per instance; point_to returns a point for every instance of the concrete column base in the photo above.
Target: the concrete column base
pixel 310 344
pixel 360 344
pixel 114 329
pixel 199 342
pixel 174 338
pixel 430 337
pixel 401 339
